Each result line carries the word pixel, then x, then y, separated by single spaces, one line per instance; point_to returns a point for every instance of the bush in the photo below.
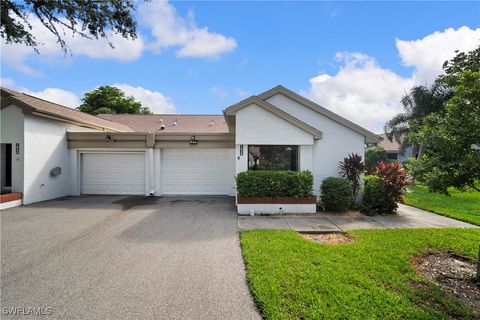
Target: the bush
pixel 337 194
pixel 373 156
pixel 383 190
pixel 274 183
pixel 374 199
pixel 394 178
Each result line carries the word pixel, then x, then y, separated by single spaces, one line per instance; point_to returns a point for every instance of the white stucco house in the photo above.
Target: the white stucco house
pixel 50 151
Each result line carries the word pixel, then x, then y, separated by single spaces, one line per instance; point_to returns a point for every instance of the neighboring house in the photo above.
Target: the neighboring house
pixel 56 151
pixel 395 151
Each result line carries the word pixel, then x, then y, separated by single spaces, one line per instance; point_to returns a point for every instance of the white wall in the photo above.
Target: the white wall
pixel 45 148
pixel 336 143
pixel 255 125
pixel 12 132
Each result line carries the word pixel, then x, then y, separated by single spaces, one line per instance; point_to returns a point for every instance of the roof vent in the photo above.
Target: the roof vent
pixel 162 125
pixel 211 124
pixel 175 122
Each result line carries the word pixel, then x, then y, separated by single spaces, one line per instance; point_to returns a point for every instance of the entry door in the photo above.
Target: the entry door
pixel 116 173
pixel 197 171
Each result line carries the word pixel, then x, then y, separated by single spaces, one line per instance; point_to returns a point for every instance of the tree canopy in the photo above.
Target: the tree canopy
pixel 418 104
pixel 107 99
pixel 452 137
pixel 89 19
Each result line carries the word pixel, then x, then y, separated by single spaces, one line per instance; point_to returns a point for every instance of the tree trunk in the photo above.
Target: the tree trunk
pixel 421 151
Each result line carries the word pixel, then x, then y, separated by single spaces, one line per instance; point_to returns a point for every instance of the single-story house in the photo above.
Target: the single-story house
pixel 395 151
pixel 50 151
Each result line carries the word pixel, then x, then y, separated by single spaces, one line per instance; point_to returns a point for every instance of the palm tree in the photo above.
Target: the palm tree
pixel 418 103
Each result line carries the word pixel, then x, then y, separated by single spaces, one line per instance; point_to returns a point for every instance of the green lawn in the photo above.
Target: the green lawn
pixel 463 206
pixel 371 278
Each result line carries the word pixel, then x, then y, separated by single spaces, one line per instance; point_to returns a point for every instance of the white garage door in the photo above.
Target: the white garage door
pixel 197 171
pixel 113 173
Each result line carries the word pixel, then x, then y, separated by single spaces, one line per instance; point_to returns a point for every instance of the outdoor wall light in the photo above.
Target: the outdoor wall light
pixel 108 138
pixel 193 141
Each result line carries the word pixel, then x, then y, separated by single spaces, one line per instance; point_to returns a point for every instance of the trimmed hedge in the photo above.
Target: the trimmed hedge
pixel 337 194
pixel 374 199
pixel 275 183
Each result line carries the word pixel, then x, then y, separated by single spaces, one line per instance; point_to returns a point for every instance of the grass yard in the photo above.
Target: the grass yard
pixel 459 205
pixel 371 278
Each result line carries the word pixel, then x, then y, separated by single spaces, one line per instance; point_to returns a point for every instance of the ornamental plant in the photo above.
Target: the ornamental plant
pixel 394 178
pixel 352 168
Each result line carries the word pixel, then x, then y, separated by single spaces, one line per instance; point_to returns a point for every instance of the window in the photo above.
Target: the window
pixel 392 156
pixel 270 157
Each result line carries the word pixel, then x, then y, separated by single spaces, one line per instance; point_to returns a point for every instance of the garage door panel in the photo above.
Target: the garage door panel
pixel 113 173
pixel 196 171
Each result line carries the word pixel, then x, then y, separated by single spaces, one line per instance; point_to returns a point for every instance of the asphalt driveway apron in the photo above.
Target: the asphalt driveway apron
pixel 106 257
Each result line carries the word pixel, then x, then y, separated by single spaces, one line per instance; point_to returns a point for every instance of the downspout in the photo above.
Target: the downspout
pixel 151 163
pixel 152 172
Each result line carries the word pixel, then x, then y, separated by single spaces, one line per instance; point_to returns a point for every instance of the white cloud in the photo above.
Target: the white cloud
pixel 171 30
pixel 154 100
pixel 17 55
pixel 57 95
pixel 365 93
pixel 361 90
pixel 63 97
pixel 427 55
pixel 222 94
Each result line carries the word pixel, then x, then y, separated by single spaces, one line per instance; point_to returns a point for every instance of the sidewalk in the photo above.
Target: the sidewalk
pixel 406 217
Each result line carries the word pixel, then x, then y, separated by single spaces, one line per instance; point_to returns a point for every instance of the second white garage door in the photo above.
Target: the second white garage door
pixel 197 171
pixel 113 173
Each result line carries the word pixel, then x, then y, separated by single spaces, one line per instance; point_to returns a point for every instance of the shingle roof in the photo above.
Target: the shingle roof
pixel 390 146
pixel 184 123
pixel 54 109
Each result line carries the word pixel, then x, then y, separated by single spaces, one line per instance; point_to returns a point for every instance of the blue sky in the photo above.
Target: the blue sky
pixel 354 58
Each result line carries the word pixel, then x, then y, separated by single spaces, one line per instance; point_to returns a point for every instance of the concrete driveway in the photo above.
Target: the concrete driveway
pixel 109 257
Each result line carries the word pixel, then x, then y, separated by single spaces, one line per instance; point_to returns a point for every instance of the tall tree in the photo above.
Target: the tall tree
pixel 89 19
pixel 106 99
pixel 418 103
pixel 453 138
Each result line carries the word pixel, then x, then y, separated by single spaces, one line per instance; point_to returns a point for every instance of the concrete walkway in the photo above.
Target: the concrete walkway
pixel 406 217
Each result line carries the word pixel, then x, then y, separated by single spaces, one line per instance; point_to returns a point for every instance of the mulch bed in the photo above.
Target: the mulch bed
pixel 330 238
pixel 455 275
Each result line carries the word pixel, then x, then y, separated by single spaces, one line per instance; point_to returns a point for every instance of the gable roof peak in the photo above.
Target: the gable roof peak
pixel 369 136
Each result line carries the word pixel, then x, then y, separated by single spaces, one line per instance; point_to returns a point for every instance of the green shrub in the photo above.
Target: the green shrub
pixel 275 183
pixel 373 156
pixel 337 194
pixel 374 199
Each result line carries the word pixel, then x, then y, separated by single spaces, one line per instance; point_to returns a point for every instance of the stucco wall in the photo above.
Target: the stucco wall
pixel 255 125
pixel 12 132
pixel 46 148
pixel 336 143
